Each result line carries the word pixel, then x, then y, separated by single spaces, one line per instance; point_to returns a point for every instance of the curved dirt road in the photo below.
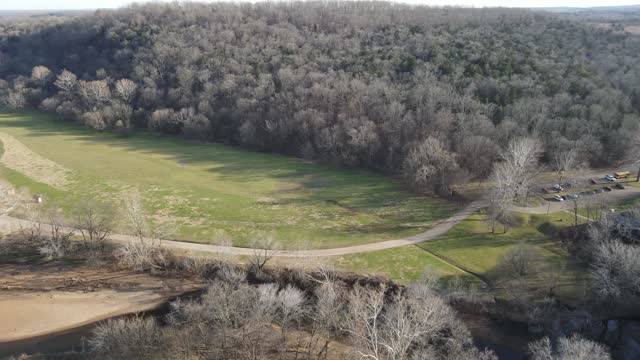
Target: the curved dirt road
pixel 9 224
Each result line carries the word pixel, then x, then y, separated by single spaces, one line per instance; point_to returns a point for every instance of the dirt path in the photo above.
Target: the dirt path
pixel 9 224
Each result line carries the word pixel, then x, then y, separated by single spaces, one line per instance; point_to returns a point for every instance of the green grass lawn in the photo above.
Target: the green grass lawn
pixel 470 250
pixel 472 247
pixel 207 188
pixel 403 264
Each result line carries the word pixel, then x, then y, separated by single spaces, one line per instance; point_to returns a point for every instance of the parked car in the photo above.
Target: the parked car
pixel 598 191
pixel 558 187
pixel 607 188
pixel 558 198
pixel 610 178
pixel 593 181
pixel 564 197
pixel 619 186
pixel 573 196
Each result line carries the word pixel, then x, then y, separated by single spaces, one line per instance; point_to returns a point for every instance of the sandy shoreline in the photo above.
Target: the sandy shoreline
pixel 36 302
pixel 31 315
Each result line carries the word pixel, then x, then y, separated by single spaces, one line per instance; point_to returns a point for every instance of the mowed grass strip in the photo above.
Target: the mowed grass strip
pixel 404 264
pixel 211 189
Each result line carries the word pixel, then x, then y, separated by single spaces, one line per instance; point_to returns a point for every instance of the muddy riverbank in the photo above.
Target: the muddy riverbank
pixel 49 307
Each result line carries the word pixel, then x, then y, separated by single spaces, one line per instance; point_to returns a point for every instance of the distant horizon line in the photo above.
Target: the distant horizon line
pixel 401 2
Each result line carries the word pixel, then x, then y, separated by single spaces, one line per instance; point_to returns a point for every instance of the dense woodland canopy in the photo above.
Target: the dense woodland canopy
pixel 432 93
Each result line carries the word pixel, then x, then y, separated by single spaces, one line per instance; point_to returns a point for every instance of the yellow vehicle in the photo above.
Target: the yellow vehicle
pixel 622 174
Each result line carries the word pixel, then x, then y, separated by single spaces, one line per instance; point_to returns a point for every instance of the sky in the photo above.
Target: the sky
pixel 93 4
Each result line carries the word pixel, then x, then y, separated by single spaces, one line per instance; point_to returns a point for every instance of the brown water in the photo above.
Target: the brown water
pixel 69 340
pixel 508 340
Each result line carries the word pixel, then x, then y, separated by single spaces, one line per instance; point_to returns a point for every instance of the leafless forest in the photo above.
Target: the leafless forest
pixel 397 88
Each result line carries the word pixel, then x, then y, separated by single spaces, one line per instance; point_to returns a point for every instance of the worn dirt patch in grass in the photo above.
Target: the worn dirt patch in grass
pixel 18 157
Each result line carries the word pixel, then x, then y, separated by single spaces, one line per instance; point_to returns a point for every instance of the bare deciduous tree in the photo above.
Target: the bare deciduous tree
pixel 501 195
pixel 290 303
pixel 10 198
pixel 633 155
pixel 564 161
pixel 148 251
pixel 94 221
pixel 616 272
pixel 430 166
pixel 67 82
pixel 262 252
pixel 418 315
pixel 511 177
pixel 95 92
pixel 15 99
pixel 40 75
pixel 568 348
pixel 518 261
pixel 138 223
pixel 595 207
pixel 126 90
pixel 521 159
pixel 131 338
pixel 326 316
pixel 362 321
pixel 135 215
pixel 57 242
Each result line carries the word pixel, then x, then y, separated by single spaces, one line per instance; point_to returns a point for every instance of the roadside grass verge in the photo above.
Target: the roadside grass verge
pixel 211 189
pixel 404 264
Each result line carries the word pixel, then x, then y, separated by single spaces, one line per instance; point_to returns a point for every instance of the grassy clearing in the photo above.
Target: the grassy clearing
pixel 471 251
pixel 209 188
pixel 471 246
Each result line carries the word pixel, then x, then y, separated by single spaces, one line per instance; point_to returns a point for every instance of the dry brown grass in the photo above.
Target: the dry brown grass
pixel 18 157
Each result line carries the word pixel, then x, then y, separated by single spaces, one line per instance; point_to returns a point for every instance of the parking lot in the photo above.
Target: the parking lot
pixel 576 189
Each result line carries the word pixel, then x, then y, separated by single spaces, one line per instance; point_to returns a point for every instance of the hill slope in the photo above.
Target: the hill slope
pixel 435 93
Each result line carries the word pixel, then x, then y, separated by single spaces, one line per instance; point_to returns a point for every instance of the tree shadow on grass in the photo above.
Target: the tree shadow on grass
pixel 356 189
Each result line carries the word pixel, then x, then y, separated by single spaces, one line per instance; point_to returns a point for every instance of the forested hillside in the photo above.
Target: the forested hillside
pixel 433 93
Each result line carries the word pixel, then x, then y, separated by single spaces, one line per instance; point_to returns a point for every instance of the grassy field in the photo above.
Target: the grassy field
pixel 471 247
pixel 471 251
pixel 403 264
pixel 210 189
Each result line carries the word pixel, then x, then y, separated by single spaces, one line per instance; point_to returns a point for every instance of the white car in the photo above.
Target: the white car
pixel 558 198
pixel 610 178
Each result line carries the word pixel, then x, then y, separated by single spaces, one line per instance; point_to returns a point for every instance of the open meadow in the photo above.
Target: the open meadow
pixel 213 192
